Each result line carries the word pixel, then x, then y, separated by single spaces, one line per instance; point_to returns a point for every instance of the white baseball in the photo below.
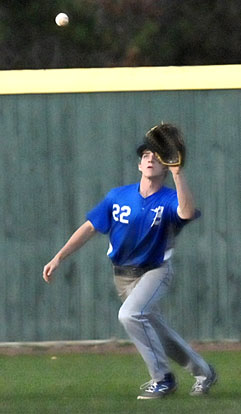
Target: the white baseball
pixel 62 19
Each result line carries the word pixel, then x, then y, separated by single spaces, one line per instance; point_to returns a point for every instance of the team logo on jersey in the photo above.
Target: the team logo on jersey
pixel 158 215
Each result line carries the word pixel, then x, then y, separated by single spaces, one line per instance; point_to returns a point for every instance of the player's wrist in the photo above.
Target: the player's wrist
pixel 176 172
pixel 58 259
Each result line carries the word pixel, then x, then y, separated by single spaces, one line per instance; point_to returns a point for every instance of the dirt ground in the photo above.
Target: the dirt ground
pixel 99 347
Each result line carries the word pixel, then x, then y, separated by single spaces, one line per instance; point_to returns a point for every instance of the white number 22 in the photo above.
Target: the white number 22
pixel 120 213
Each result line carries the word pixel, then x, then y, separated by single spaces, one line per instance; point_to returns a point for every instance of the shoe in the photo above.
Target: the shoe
pixel 203 384
pixel 159 389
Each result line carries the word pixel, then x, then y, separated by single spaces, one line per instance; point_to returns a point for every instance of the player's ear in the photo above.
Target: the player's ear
pixel 139 166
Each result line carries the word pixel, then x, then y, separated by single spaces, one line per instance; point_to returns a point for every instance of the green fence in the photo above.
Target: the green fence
pixel 60 154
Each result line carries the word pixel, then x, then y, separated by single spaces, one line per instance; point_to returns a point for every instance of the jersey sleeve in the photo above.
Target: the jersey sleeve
pixel 100 216
pixel 175 219
pixel 173 215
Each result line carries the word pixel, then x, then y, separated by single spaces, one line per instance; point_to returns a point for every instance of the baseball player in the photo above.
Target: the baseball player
pixel 142 220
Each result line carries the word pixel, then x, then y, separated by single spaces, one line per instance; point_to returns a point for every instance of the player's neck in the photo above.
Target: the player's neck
pixel 149 186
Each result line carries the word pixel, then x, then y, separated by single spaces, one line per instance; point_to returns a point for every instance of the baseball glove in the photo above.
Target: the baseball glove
pixel 166 142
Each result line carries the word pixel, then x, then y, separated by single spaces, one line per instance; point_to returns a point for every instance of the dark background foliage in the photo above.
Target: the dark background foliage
pixel 105 33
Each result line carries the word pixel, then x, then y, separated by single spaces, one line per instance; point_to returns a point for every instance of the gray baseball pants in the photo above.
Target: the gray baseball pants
pixel 141 317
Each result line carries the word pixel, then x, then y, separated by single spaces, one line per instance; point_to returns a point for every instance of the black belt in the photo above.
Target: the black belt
pixel 132 271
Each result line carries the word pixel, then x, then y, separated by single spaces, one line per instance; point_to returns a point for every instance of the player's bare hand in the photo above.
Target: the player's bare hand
pixel 49 269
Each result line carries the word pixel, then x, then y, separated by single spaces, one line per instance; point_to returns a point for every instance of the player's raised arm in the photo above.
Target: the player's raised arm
pixel 186 207
pixel 76 241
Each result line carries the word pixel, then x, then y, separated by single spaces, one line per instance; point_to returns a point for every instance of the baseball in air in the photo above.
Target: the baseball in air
pixel 62 19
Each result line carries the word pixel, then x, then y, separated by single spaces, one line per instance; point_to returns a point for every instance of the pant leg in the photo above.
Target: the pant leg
pixel 155 340
pixel 179 350
pixel 136 316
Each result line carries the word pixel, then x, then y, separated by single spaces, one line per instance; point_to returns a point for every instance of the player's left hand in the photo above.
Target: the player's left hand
pixel 175 170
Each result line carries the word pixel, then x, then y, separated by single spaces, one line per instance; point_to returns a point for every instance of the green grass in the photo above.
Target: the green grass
pixel 108 384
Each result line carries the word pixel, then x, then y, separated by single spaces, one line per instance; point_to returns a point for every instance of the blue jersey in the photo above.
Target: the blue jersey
pixel 141 230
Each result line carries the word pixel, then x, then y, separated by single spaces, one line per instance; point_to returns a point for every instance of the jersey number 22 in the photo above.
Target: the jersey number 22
pixel 121 213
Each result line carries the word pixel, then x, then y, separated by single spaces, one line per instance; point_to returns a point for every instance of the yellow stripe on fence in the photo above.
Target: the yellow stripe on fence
pixel 120 79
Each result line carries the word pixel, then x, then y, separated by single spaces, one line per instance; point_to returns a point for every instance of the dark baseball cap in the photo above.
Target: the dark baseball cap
pixel 141 148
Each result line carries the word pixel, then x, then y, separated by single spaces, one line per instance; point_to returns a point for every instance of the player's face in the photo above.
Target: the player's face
pixel 150 166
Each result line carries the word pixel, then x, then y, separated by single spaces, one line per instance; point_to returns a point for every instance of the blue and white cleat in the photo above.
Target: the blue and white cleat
pixel 160 389
pixel 203 384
